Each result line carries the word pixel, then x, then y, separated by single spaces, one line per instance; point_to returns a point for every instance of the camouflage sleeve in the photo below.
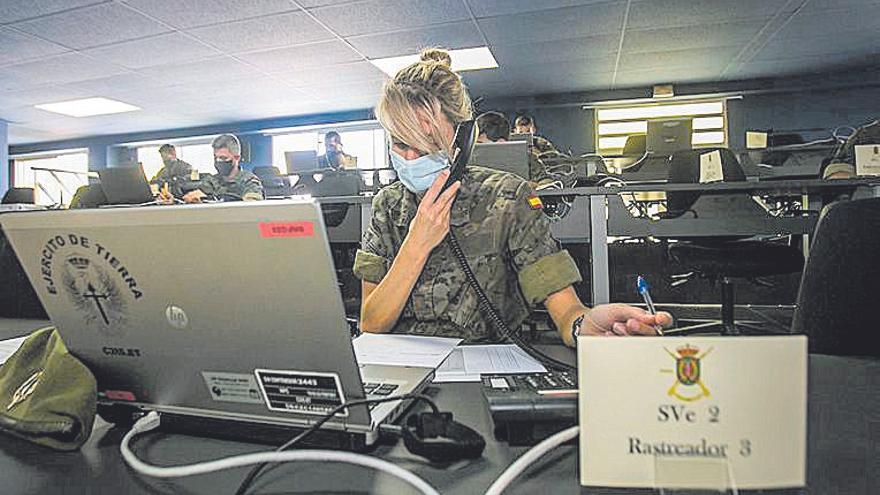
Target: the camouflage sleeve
pixel 374 258
pixel 542 267
pixel 252 190
pixel 209 185
pixel 537 170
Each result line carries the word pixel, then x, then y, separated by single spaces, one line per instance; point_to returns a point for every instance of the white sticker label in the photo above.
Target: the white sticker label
pixel 301 392
pixel 232 387
pixel 710 167
pixel 868 159
pixel 756 140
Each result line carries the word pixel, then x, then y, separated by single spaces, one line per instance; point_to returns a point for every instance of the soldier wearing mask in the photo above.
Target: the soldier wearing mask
pixel 229 181
pixel 174 173
pixel 410 281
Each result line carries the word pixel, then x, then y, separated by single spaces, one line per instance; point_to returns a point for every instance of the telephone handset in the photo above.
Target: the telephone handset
pixel 462 146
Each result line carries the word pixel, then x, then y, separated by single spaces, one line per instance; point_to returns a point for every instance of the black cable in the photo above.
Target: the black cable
pixel 252 475
pixel 489 310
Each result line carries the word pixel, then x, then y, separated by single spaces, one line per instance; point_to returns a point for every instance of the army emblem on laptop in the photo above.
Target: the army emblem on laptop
pixel 688 385
pixel 93 291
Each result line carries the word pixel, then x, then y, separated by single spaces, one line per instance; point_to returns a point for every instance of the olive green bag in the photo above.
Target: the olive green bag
pixel 47 396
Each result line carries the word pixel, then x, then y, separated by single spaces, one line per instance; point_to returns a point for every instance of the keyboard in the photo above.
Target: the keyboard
pixel 375 390
pixel 526 408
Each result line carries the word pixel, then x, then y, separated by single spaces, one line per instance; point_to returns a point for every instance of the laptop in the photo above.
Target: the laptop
pixel 202 324
pixel 301 161
pixel 506 156
pixel 125 185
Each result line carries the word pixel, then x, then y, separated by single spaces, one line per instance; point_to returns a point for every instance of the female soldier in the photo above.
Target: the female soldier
pixel 412 283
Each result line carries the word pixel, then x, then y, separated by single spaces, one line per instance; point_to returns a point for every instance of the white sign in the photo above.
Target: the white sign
pixel 693 412
pixel 710 167
pixel 868 159
pixel 756 140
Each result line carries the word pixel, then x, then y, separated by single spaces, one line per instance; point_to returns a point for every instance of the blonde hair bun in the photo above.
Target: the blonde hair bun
pixel 437 55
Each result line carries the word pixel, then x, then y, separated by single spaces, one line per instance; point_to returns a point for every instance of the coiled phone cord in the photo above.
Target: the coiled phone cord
pixel 489 310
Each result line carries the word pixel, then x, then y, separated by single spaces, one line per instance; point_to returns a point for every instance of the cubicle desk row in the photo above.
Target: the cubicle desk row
pixel 723 209
pixel 843 449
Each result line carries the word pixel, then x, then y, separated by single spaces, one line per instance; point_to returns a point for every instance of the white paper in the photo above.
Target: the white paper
pixel 710 167
pixel 693 412
pixel 867 159
pixel 403 350
pixel 467 362
pixel 8 347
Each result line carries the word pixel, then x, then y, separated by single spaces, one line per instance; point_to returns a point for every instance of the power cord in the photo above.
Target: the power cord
pixel 492 313
pixel 252 475
pixel 527 459
pixel 152 420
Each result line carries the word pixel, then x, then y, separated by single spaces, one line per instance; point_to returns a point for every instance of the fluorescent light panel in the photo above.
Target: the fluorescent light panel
pixel 464 59
pixel 660 111
pixel 88 107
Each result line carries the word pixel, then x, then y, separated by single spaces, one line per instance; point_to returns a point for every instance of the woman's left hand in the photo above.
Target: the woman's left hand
pixel 622 319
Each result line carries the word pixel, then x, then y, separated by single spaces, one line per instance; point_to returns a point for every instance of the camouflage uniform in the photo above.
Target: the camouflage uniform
pixel 507 244
pixel 173 173
pixel 245 185
pixel 542 145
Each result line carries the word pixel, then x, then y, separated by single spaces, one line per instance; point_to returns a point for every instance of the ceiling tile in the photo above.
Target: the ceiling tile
pixel 158 50
pixel 805 26
pixel 572 22
pixel 310 4
pixel 69 67
pixel 648 77
pixel 261 34
pixel 697 58
pixel 493 8
pixel 844 43
pixel 678 38
pixel 17 47
pixel 575 50
pixel 313 55
pixel 379 16
pixel 193 13
pixel 653 14
pixel 335 74
pixel 92 26
pixel 215 69
pixel 44 94
pixel 452 35
pixel 18 10
pixel 368 90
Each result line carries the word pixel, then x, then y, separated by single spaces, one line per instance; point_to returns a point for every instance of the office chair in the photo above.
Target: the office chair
pixel 274 184
pixel 835 304
pixel 722 258
pixel 18 195
pixel 88 196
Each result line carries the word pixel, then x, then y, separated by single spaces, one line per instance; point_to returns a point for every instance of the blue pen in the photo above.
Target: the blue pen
pixel 642 287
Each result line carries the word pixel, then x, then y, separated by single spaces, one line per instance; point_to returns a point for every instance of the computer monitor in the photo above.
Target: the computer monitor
pixel 506 156
pixel 125 185
pixel 668 136
pixel 527 137
pixel 301 161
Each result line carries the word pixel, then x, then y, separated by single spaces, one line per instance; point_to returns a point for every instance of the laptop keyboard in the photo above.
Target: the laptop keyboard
pixel 377 390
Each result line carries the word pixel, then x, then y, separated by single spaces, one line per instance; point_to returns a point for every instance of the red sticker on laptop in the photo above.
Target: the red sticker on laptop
pixel 287 229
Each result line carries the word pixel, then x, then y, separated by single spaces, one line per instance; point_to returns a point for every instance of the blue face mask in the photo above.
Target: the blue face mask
pixel 418 174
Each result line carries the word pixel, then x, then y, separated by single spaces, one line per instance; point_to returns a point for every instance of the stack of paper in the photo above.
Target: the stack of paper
pixel 466 363
pixel 403 350
pixel 8 347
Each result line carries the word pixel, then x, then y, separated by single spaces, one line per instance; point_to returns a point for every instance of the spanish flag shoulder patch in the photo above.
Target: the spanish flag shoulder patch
pixel 535 202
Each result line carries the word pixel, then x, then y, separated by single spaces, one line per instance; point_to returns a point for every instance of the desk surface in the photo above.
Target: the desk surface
pixel 843 446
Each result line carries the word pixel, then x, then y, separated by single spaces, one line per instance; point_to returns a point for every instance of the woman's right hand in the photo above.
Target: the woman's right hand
pixel 431 223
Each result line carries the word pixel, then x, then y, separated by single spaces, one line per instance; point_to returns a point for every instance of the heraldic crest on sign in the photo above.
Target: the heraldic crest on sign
pixel 688 385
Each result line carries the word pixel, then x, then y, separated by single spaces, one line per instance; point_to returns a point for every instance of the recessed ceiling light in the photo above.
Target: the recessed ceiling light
pixel 88 107
pixel 462 60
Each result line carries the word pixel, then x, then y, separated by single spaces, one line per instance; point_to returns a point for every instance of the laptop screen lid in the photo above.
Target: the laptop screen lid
pixel 177 308
pixel 125 185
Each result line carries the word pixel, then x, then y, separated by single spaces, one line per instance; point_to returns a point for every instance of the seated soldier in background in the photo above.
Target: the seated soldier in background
pixel 173 171
pixel 334 157
pixel 494 127
pixel 230 180
pixel 525 124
